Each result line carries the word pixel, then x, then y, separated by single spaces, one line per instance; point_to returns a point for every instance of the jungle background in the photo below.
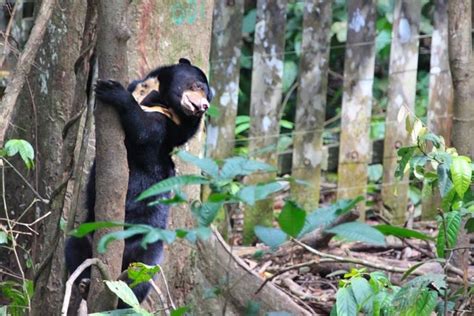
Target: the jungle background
pixel 334 165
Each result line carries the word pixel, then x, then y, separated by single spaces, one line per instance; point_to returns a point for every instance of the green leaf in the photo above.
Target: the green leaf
pixel 207 165
pixel 444 182
pixel 139 272
pixel 292 218
pixel 357 231
pixel 470 225
pixel 401 232
pixel 405 154
pixel 290 72
pixel 241 128
pixel 242 119
pixel 272 237
pixel 345 302
pixel 240 166
pixel 172 183
pixel 3 237
pixel 180 311
pixel 248 23
pixel 27 153
pixel 156 234
pixel 253 193
pixel 426 302
pixel 206 212
pixel 122 290
pixel 453 224
pixel 361 290
pixel 461 173
pixel 87 228
pixel 121 234
pixel 325 216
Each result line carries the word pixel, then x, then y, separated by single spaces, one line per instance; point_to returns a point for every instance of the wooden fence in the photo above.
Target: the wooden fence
pixel 355 152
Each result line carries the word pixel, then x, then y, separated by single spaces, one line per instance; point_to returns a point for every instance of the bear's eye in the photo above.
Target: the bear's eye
pixel 145 86
pixel 196 86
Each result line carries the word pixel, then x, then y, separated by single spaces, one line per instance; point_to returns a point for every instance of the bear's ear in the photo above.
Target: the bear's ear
pixel 184 61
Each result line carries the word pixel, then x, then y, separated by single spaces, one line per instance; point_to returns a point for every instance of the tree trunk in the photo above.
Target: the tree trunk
pixel 111 156
pixel 162 32
pixel 354 152
pixel 462 68
pixel 311 104
pixel 440 105
pixel 44 102
pixel 267 84
pixel 224 76
pixel 402 92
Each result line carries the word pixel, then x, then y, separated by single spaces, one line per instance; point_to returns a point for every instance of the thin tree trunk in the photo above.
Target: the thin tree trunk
pixel 462 67
pixel 311 104
pixel 111 158
pixel 354 152
pixel 440 107
pixel 402 91
pixel 267 74
pixel 224 76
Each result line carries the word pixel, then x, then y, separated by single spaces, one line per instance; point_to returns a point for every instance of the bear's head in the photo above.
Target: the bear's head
pixel 183 87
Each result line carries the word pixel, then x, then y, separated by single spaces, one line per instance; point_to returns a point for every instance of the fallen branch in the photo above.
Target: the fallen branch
pixel 70 282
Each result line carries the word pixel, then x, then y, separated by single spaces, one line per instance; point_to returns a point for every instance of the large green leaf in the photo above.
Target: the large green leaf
pixel 253 193
pixel 345 302
pixel 155 234
pixel 325 216
pixel 240 166
pixel 26 151
pixel 206 212
pixel 248 23
pixel 172 183
pixel 121 234
pixel 461 173
pixel 402 232
pixel 357 231
pixel 87 228
pixel 451 225
pixel 362 292
pixel 272 237
pixel 426 302
pixel 207 165
pixel 292 218
pixel 122 290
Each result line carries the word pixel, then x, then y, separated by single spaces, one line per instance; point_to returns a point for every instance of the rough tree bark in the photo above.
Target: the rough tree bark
pixel 44 108
pixel 311 105
pixel 402 91
pixel 440 105
pixel 111 157
pixel 267 74
pixel 462 68
pixel 171 34
pixel 224 76
pixel 23 66
pixel 354 152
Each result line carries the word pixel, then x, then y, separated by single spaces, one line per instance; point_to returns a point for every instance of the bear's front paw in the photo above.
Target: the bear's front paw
pixel 84 285
pixel 111 92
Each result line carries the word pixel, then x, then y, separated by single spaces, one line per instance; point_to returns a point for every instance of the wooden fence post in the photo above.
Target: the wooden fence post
pixel 355 146
pixel 440 105
pixel 224 76
pixel 311 104
pixel 266 92
pixel 402 90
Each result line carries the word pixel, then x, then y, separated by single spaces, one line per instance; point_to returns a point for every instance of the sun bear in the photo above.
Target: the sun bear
pixel 172 101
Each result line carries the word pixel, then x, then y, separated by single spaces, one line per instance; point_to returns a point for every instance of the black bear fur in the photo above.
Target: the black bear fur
pixel 150 138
